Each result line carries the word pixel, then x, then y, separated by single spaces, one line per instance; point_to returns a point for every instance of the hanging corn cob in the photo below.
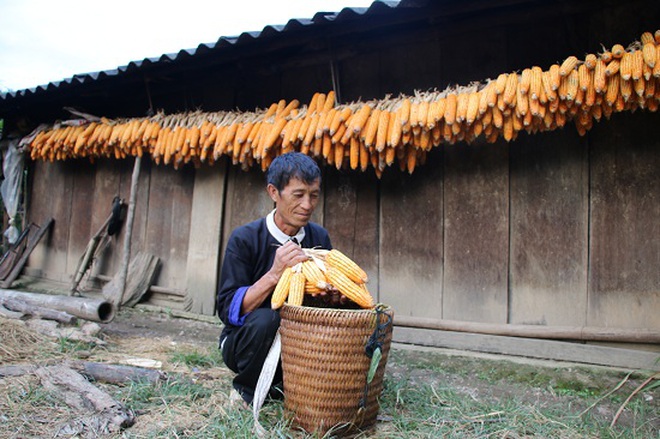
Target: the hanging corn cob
pixel 378 133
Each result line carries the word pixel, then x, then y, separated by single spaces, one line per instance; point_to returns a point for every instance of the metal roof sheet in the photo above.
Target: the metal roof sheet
pixel 269 31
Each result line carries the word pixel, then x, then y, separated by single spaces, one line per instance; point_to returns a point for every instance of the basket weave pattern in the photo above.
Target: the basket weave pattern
pixel 325 367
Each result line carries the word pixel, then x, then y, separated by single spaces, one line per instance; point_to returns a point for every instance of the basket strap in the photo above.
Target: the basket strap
pixel 264 382
pixel 373 349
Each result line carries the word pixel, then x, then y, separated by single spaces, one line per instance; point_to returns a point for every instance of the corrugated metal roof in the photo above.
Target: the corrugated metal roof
pixel 270 31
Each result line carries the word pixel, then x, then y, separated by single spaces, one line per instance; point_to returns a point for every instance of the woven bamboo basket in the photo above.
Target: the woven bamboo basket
pixel 325 366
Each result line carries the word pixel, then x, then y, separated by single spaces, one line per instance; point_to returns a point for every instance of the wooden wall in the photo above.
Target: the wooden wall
pixel 551 229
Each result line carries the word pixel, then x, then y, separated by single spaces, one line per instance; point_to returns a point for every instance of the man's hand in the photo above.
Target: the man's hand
pixel 288 255
pixel 332 297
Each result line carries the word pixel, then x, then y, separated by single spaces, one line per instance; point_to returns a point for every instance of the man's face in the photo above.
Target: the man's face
pixel 294 204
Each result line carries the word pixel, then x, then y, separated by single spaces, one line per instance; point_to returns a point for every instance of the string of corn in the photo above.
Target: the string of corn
pixel 378 133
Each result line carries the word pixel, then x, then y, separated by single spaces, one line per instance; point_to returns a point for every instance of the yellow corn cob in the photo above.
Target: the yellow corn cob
pixel 648 52
pixel 612 67
pixel 583 77
pixel 590 61
pixel 647 37
pixel 617 51
pixel 535 82
pixel 509 94
pixel 625 89
pixel 637 65
pixel 368 135
pixel 555 77
pixel 500 83
pixel 349 288
pixel 281 289
pixel 568 65
pixel 600 80
pixel 335 258
pixel 313 289
pixel 296 288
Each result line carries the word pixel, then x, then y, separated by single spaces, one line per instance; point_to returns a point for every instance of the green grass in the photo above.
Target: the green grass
pixel 421 399
pixel 426 395
pixel 212 358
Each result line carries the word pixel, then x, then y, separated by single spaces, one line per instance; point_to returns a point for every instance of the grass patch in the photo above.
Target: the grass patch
pixel 198 359
pixel 426 394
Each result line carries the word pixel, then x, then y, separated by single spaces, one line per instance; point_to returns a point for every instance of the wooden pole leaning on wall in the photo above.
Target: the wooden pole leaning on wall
pixel 130 216
pixel 581 333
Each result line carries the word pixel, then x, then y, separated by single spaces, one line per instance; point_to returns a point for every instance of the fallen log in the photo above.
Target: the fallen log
pixel 89 309
pixel 8 314
pixel 17 370
pixel 118 374
pixel 106 413
pixel 99 372
pixel 23 307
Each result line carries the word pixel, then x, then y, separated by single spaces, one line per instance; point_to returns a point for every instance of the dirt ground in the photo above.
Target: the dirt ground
pixel 149 334
pixel 147 322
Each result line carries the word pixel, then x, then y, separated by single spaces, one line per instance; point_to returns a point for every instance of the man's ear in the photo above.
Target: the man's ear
pixel 272 192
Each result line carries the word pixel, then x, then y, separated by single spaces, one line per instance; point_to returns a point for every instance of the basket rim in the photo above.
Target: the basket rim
pixel 384 307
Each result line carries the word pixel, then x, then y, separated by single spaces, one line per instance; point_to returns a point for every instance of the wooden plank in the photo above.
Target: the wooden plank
pixel 82 197
pixel 549 229
pixel 625 231
pixel 529 347
pixel 247 200
pixel 411 239
pixel 204 240
pixel 52 186
pixel 476 213
pixel 106 187
pixel 461 65
pixel 168 222
pixel 351 200
pixel 359 77
pixel 404 71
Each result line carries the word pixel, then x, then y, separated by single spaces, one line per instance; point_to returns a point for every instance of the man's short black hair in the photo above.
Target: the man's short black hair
pixel 292 165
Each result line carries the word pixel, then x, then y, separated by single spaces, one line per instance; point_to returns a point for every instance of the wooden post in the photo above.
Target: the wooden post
pixel 130 215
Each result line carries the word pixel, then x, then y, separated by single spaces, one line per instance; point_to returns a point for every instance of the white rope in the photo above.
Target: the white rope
pixel 265 381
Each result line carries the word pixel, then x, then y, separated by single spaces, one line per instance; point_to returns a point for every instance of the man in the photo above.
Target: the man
pixel 257 253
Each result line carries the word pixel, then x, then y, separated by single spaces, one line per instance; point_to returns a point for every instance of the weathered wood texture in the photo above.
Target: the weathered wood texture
pixel 529 347
pixel 246 200
pixel 549 229
pixel 411 240
pixel 476 233
pixel 351 206
pixel 168 222
pixel 51 195
pixel 624 278
pixel 204 239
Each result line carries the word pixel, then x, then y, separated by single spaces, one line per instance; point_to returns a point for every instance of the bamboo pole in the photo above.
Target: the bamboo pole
pixel 582 333
pixel 85 308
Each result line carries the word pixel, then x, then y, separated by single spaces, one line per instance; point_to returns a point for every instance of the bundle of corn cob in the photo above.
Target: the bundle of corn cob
pixel 378 133
pixel 324 271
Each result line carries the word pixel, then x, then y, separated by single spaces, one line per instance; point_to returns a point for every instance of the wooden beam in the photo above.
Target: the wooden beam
pixel 533 348
pixel 583 333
